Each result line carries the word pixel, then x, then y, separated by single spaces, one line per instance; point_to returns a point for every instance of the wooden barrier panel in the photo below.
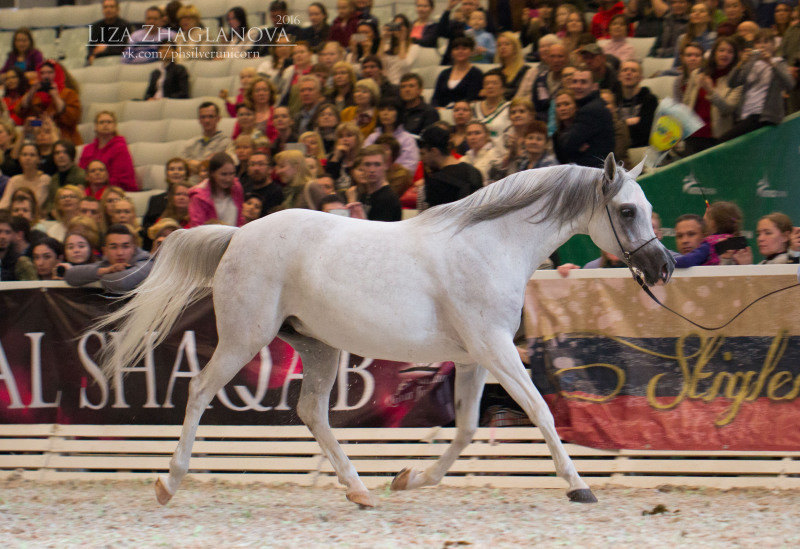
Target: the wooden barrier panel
pixel 502 457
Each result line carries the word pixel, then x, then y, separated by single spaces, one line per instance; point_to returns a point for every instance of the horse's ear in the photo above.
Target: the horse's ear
pixel 637 170
pixel 609 171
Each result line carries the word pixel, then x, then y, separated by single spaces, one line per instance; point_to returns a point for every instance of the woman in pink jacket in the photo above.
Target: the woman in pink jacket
pixel 112 150
pixel 219 198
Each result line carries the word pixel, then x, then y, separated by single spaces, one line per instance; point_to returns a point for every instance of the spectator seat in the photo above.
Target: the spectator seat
pixel 136 72
pixel 660 86
pixel 155 153
pixel 210 86
pixel 141 198
pixel 136 131
pixel 642 46
pixel 142 110
pixel 96 75
pixel 429 75
pixel 653 65
pixel 103 93
pixel 78 16
pixel 181 129
pixel 427 57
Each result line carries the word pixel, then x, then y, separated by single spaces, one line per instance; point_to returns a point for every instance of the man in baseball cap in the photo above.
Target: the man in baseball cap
pixel 602 71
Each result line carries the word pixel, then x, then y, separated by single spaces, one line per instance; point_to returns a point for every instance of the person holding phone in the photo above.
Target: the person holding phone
pixel 363 43
pixel 54 94
pixel 332 204
pixel 764 79
pixel 724 244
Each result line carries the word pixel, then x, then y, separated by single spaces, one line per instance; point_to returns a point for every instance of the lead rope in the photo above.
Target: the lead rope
pixel 640 281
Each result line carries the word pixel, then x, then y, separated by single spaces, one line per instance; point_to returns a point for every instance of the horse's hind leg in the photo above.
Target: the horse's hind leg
pixel 501 358
pixel 230 356
pixel 469 382
pixel 320 364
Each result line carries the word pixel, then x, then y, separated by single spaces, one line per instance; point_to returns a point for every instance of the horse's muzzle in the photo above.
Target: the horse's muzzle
pixel 655 263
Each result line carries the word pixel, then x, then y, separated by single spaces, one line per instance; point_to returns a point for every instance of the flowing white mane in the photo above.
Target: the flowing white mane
pixel 565 192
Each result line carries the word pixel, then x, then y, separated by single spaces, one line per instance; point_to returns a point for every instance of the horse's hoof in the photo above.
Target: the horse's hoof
pixel 162 494
pixel 400 481
pixel 363 499
pixel 584 495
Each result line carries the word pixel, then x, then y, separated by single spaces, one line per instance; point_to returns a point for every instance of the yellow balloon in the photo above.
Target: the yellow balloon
pixel 666 133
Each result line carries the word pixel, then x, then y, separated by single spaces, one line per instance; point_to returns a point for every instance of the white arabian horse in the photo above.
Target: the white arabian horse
pixel 448 284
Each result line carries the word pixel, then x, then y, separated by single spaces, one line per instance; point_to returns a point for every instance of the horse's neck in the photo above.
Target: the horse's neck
pixel 536 241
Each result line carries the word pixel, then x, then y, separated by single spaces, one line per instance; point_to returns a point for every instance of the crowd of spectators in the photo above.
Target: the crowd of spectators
pixel 332 116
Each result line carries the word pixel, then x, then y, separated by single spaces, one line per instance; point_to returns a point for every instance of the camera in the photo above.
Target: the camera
pixel 45 85
pixel 393 27
pixel 35 123
pixel 61 270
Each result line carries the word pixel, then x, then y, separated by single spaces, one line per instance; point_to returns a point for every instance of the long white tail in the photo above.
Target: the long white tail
pixel 182 274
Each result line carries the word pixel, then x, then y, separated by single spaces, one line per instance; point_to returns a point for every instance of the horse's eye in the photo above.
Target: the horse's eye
pixel 627 212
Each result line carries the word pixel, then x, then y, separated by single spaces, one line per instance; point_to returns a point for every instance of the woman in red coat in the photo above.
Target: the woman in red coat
pixel 112 150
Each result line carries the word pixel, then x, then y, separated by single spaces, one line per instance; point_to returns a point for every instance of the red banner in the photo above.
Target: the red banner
pixel 49 373
pixel 620 372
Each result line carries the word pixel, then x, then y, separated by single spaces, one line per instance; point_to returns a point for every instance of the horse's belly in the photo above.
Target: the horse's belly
pixel 387 341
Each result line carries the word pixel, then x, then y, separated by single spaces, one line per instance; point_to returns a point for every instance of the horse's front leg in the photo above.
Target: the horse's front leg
pixel 230 356
pixel 320 364
pixel 469 382
pixel 499 355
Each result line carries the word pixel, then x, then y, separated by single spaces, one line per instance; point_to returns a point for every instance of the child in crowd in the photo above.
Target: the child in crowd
pixel 723 221
pixel 485 44
pixel 246 77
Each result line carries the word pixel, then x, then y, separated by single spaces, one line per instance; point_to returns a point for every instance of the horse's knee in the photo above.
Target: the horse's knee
pixel 308 412
pixel 194 388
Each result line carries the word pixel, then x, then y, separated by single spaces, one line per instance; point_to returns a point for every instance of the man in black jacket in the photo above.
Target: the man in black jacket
pixel 589 138
pixel 417 114
pixel 109 35
pixel 637 106
pixel 448 180
pixel 257 181
pixel 171 78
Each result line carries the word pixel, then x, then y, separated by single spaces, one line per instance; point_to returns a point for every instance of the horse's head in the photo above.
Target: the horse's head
pixel 624 226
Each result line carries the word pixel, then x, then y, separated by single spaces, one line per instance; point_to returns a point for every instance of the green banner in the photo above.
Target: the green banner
pixel 759 171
